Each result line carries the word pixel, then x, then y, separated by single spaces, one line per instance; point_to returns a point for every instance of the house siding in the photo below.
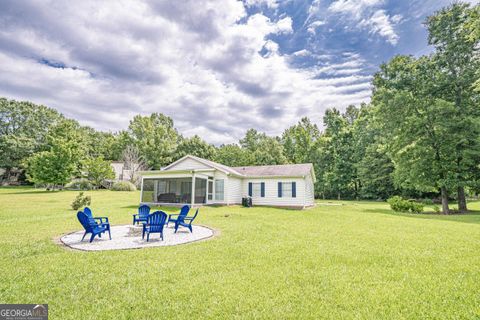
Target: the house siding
pixel 188 164
pixel 271 192
pixel 309 192
pixel 234 190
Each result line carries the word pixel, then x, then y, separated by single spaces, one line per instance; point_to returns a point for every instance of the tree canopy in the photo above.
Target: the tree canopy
pixel 419 135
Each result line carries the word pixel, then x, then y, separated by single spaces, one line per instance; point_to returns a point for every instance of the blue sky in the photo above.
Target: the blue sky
pixel 216 67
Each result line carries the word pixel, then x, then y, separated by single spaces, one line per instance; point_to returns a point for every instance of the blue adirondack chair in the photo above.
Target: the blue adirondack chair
pixel 142 215
pixel 155 223
pixel 185 222
pixel 91 227
pixel 101 221
pixel 183 213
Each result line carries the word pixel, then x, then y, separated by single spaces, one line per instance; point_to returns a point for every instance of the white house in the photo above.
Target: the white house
pixel 123 171
pixel 196 181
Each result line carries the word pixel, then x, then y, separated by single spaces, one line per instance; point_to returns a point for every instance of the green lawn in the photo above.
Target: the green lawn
pixel 357 260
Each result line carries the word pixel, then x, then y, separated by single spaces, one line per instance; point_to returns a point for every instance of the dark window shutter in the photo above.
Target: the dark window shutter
pixel 294 189
pixel 250 188
pixel 262 192
pixel 279 189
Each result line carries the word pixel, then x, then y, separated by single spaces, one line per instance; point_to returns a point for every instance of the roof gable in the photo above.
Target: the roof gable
pixel 199 163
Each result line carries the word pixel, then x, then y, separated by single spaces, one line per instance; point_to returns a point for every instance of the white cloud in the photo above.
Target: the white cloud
pixel 367 15
pixel 382 24
pixel 285 25
pixel 355 8
pixel 196 61
pixel 269 3
pixel 312 27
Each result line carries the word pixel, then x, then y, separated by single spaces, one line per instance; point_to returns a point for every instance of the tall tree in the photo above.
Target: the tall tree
pixel 373 164
pixel 457 56
pixel 340 175
pixel 233 155
pixel 195 146
pixel 23 130
pixel 299 140
pixel 155 137
pixel 419 126
pixel 262 149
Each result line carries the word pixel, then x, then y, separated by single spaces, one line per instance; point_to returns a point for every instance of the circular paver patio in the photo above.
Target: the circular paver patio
pixel 122 239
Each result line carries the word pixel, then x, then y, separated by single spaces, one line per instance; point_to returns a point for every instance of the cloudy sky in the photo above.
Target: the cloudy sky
pixel 216 67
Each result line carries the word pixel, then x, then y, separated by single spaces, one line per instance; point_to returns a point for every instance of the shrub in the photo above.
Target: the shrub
pixel 124 186
pixel 436 208
pixel 416 207
pixel 81 201
pixel 80 184
pixel 427 201
pixel 399 204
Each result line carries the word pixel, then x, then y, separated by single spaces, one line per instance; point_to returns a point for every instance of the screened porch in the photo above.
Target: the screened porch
pixel 185 190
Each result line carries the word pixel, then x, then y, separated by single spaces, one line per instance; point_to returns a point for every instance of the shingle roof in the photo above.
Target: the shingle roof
pixel 283 170
pixel 286 170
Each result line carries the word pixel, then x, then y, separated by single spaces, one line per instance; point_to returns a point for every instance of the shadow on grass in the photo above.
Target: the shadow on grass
pixel 33 192
pixel 133 206
pixel 152 208
pixel 472 217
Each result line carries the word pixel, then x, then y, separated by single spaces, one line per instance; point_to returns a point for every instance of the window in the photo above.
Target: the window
pixel 256 189
pixel 287 189
pixel 219 189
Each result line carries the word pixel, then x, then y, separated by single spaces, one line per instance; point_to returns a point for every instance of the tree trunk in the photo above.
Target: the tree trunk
pixel 338 196
pixel 462 202
pixel 445 209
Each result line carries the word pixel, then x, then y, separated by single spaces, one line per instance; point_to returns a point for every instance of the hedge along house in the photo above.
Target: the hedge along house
pixel 196 181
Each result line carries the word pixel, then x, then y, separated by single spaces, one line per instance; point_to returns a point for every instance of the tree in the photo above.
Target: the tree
pixel 339 176
pixel 373 164
pixel 298 141
pixel 50 168
pixel 155 137
pixel 61 161
pixel 133 162
pixel 122 141
pixel 453 31
pixel 262 149
pixel 100 144
pixel 97 170
pixel 195 146
pixel 420 127
pixel 252 140
pixel 23 130
pixel 269 152
pixel 233 155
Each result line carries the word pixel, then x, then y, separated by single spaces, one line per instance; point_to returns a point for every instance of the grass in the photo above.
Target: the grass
pixel 352 261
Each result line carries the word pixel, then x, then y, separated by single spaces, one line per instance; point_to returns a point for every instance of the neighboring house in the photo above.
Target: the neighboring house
pixel 197 181
pixel 122 171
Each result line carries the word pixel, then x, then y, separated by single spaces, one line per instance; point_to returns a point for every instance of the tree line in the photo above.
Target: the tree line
pixel 418 137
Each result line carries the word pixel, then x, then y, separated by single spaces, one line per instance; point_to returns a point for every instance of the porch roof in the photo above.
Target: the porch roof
pixel 172 172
